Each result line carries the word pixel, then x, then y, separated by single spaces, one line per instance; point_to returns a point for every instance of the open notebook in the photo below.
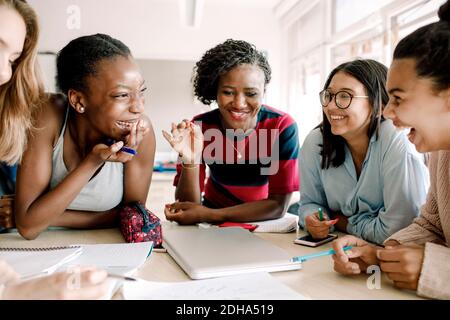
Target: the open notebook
pixel 118 258
pixel 29 262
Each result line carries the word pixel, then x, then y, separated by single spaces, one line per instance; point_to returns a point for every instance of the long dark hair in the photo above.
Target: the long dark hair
pixel 372 75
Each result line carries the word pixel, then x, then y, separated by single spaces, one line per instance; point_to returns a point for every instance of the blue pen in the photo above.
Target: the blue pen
pixel 110 142
pixel 128 150
pixel 317 255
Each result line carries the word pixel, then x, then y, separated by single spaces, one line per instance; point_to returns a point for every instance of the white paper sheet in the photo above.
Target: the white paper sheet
pixel 285 224
pixel 255 286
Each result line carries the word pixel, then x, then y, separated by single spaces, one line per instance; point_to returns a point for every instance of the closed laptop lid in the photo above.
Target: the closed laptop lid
pixel 216 252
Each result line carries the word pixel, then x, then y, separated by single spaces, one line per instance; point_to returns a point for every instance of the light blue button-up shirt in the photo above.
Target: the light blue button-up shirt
pixel 387 196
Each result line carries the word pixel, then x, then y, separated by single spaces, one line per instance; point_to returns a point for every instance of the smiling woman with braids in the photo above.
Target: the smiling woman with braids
pixel 243 185
pixel 75 172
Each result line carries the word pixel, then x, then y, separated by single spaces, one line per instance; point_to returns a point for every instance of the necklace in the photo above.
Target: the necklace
pixel 239 155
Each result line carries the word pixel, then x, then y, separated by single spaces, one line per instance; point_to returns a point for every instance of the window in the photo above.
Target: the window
pixel 304 89
pixel 337 31
pixel 347 12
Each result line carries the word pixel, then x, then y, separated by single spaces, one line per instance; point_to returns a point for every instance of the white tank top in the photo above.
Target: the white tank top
pixel 101 193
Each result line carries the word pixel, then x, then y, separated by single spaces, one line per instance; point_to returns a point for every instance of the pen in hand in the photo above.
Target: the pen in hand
pixel 110 142
pixel 332 222
pixel 317 255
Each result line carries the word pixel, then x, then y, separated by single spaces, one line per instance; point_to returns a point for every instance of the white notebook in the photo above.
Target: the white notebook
pixel 255 286
pixel 29 262
pixel 117 258
pixel 285 224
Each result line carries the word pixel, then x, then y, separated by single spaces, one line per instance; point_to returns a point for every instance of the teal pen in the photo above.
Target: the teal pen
pixel 320 214
pixel 317 255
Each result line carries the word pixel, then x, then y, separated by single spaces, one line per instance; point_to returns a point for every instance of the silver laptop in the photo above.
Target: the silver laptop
pixel 218 252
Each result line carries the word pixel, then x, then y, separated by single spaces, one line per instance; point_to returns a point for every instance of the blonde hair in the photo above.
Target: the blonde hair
pixel 22 95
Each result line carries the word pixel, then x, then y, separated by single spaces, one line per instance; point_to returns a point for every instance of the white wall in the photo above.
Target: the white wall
pixel 153 31
pixel 169 97
pixel 47 63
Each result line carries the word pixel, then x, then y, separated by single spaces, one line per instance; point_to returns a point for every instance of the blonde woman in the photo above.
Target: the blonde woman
pixel 20 95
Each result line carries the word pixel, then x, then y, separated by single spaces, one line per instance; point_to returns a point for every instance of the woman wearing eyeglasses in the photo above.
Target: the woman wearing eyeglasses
pixel 363 173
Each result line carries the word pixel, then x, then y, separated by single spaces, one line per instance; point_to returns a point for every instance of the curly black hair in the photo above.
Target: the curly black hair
pixel 429 46
pixel 79 59
pixel 221 59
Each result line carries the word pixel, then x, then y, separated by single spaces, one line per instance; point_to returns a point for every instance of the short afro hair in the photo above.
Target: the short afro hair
pixel 221 59
pixel 79 59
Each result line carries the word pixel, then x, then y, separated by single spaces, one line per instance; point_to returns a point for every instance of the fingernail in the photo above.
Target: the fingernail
pixel 378 254
pixel 355 269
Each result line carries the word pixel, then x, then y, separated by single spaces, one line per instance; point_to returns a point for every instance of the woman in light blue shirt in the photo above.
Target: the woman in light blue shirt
pixel 362 172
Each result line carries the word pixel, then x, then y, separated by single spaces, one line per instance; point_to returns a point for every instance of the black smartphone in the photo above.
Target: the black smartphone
pixel 311 242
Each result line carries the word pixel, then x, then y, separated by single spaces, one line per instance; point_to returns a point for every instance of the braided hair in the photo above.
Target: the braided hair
pixel 80 58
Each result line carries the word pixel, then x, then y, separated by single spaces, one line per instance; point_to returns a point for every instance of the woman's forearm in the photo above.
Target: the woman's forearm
pixel 87 219
pixel 251 211
pixel 38 215
pixel 188 188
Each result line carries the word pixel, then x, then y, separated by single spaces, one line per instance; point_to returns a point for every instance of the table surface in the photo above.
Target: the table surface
pixel 316 280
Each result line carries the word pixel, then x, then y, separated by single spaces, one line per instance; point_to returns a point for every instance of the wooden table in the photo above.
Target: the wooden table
pixel 316 280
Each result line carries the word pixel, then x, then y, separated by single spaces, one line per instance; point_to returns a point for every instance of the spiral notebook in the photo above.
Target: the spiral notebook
pixel 29 262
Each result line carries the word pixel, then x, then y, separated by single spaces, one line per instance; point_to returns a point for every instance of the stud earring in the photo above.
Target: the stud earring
pixel 81 109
